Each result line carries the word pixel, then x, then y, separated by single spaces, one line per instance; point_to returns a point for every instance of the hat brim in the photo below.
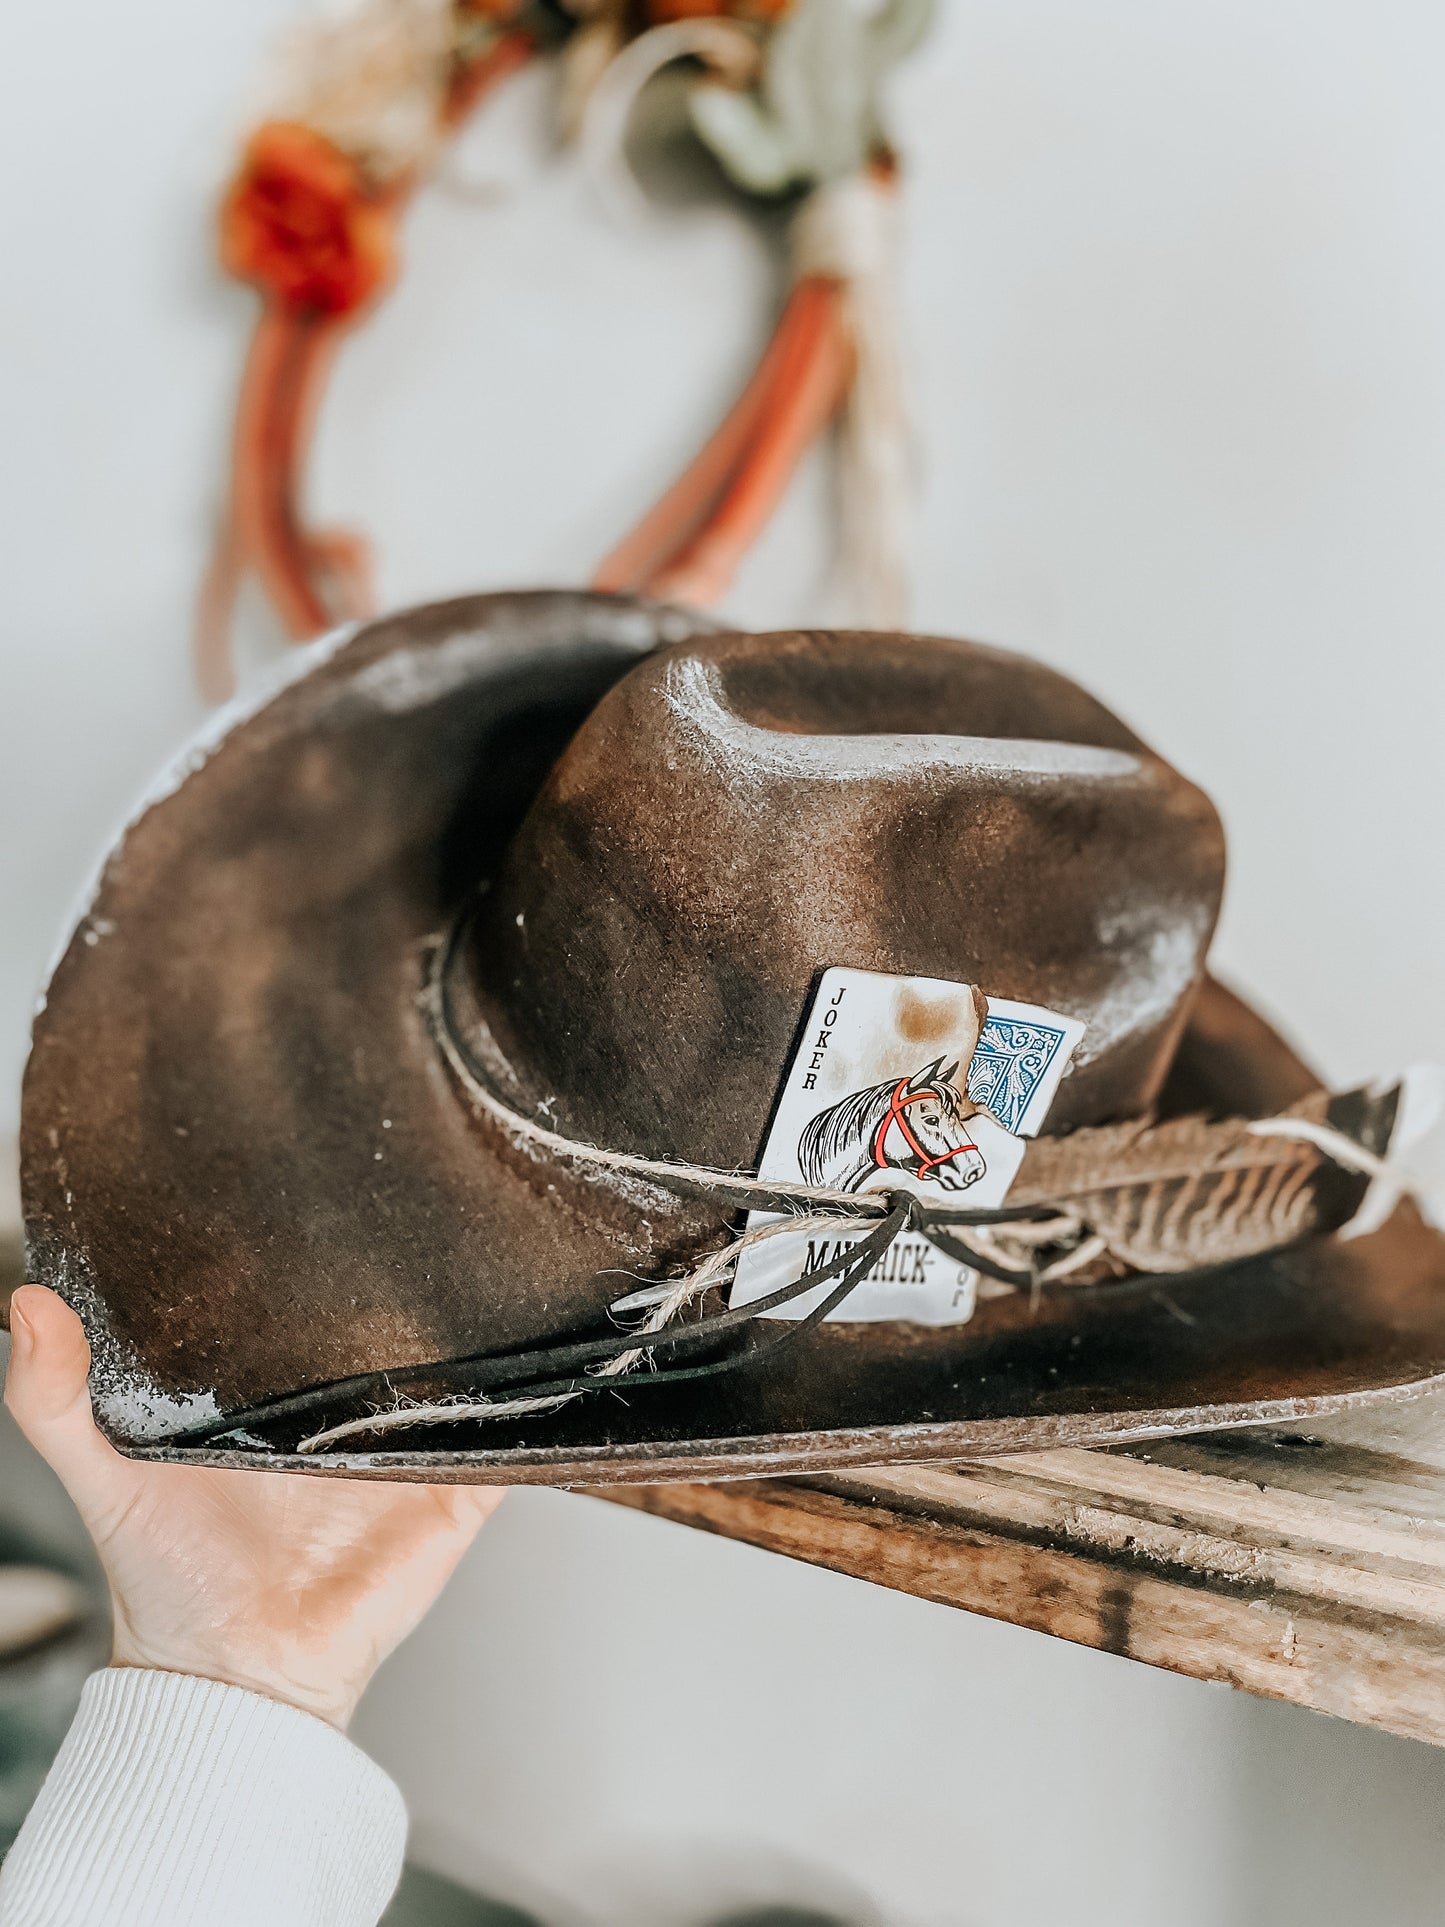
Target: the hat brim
pixel 244 1162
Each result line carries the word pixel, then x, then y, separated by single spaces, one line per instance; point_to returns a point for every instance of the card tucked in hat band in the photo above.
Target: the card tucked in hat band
pixel 904 1083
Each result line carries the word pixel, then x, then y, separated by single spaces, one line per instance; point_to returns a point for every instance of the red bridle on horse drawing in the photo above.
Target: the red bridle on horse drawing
pixel 883 1129
pixel 897 1116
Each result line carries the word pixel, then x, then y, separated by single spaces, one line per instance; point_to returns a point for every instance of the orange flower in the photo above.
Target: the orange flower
pixel 302 224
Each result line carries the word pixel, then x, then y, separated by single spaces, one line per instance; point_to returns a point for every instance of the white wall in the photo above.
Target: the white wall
pixel 1176 295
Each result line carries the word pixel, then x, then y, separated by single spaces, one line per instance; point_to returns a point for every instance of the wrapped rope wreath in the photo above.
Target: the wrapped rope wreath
pixel 784 94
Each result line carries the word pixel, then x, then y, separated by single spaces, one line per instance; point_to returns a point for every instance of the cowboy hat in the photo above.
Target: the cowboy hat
pixel 444 998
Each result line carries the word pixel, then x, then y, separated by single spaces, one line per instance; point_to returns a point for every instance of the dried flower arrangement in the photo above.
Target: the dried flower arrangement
pixel 785 96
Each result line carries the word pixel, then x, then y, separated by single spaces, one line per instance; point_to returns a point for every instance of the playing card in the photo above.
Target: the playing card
pixel 904 1083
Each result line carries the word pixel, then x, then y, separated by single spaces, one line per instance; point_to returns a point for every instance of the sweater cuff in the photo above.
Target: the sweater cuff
pixel 176 1800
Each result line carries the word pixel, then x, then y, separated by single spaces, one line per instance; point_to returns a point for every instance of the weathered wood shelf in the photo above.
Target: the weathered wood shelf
pixel 1305 1563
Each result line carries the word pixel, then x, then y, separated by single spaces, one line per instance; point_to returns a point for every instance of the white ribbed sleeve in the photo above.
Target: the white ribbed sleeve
pixel 180 1802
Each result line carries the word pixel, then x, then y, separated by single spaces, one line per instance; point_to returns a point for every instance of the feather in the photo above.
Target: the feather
pixel 1194 1191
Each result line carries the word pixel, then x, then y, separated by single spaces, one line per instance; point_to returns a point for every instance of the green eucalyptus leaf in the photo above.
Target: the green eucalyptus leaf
pixel 813 116
pixel 744 137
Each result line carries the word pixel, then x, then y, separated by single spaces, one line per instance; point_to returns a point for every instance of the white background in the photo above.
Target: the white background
pixel 1176 307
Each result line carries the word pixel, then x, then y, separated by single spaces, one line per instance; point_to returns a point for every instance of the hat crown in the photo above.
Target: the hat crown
pixel 741 812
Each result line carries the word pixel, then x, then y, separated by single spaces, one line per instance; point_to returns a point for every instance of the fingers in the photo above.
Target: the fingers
pixel 46 1390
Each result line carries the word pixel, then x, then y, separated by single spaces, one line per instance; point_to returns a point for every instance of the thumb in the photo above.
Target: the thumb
pixel 46 1391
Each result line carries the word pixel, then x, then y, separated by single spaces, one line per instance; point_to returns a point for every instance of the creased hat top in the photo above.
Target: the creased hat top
pixel 741 812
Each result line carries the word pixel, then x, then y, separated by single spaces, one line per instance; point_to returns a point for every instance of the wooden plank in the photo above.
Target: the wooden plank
pixel 1307 1566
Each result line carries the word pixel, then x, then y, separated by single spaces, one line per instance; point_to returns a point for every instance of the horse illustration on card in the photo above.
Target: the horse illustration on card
pixel 917 1125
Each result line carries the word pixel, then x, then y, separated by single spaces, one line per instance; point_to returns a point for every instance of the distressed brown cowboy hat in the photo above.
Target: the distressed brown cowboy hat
pixel 442 1003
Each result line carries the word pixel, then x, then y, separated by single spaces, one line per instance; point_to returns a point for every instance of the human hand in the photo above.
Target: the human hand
pixel 289 1586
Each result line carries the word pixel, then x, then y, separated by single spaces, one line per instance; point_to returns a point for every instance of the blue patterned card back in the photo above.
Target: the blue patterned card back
pixel 1011 1062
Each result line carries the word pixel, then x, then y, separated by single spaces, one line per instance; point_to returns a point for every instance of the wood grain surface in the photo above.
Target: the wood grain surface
pixel 1305 1564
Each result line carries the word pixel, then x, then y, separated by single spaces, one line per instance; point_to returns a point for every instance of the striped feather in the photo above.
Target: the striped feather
pixel 1193 1191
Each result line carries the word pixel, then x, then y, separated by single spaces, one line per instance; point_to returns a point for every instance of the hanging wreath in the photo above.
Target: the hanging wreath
pixel 783 93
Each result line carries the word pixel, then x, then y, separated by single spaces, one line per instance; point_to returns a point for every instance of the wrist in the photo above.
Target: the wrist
pixel 332 1701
